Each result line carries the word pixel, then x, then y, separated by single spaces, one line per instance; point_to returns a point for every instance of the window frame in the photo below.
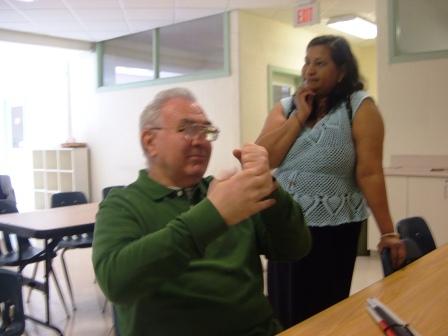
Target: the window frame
pixel 397 56
pixel 206 74
pixel 273 71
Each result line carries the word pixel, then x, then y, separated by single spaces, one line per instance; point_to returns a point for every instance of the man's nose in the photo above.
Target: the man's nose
pixel 198 138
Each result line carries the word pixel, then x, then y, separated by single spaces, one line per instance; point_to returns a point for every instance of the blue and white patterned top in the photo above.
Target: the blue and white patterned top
pixel 319 169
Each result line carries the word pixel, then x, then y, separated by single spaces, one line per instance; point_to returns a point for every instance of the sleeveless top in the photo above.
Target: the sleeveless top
pixel 319 169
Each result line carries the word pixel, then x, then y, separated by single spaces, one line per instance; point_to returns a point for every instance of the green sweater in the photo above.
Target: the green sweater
pixel 171 265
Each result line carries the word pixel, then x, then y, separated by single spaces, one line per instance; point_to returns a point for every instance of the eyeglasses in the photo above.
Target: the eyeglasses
pixel 195 131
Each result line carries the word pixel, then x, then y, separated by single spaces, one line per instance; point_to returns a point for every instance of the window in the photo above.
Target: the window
pixel 281 83
pixel 186 50
pixel 128 59
pixel 418 29
pixel 182 52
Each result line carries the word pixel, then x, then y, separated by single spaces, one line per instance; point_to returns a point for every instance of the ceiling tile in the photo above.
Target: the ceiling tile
pixel 66 26
pixel 7 15
pixel 102 36
pixel 42 15
pixel 222 4
pixel 107 26
pixel 136 15
pixel 146 3
pixel 100 14
pixel 19 26
pixel 4 5
pixel 142 25
pixel 150 14
pixel 261 4
pixel 80 35
pixel 185 14
pixel 42 4
pixel 94 4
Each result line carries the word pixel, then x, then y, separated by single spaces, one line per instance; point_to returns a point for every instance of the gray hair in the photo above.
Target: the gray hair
pixel 152 111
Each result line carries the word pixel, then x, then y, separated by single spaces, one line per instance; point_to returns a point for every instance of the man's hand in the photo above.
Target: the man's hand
pixel 252 156
pixel 244 193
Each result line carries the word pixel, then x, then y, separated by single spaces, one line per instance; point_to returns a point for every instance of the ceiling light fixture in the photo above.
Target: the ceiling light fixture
pixel 354 25
pixel 26 0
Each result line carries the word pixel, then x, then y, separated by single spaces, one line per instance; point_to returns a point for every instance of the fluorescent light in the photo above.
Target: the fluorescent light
pixel 26 0
pixel 354 25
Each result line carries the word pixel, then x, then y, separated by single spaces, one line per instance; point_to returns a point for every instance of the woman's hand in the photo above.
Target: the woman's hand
pixel 303 100
pixel 396 247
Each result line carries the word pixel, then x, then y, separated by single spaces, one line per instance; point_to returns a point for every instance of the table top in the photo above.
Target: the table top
pixel 418 294
pixel 51 223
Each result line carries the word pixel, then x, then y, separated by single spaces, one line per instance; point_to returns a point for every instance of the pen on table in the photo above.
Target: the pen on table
pixel 382 324
pixel 400 327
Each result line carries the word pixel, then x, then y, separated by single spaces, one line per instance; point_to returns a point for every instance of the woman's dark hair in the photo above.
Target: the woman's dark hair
pixel 344 59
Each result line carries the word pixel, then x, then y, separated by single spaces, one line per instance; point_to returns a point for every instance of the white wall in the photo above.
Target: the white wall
pixel 367 63
pixel 110 127
pixel 412 97
pixel 264 42
pixel 37 78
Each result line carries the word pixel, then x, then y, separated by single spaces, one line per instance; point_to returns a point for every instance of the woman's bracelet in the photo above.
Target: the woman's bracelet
pixel 390 234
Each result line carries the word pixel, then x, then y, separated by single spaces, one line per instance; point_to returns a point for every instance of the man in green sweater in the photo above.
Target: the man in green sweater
pixel 177 253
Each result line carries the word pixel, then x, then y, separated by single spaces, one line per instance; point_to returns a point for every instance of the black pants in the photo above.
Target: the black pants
pixel 300 289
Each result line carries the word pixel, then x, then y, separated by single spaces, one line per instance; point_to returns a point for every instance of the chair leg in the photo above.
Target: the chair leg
pixel 61 296
pixel 36 265
pixel 67 279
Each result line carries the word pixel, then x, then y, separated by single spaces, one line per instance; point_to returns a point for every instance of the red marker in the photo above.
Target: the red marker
pixel 382 323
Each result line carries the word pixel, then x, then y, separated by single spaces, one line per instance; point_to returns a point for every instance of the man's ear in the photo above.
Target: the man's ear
pixel 147 140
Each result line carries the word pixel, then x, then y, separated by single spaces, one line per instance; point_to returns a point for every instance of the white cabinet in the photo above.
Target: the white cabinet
pixel 428 198
pixel 417 185
pixel 424 196
pixel 57 170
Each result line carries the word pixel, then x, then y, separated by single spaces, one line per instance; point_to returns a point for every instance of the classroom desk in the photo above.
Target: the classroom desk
pixel 418 294
pixel 50 225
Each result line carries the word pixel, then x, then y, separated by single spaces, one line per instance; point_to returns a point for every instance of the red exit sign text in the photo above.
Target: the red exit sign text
pixel 306 14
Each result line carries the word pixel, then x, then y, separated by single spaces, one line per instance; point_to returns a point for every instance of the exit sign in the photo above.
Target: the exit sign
pixel 306 14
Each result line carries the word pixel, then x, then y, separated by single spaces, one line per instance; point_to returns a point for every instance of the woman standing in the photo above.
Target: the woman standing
pixel 326 143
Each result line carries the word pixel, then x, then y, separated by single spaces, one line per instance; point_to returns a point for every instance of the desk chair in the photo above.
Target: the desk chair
pixel 23 253
pixel 106 190
pixel 6 189
pixel 413 252
pixel 71 242
pixel 417 229
pixel 11 303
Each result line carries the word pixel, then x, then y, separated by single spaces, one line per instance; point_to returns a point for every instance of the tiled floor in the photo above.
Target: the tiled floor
pixel 367 271
pixel 89 320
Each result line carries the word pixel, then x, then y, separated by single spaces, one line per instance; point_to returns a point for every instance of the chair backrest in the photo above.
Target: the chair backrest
pixel 67 198
pixel 417 229
pixel 5 208
pixel 13 318
pixel 6 189
pixel 106 190
pixel 413 252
